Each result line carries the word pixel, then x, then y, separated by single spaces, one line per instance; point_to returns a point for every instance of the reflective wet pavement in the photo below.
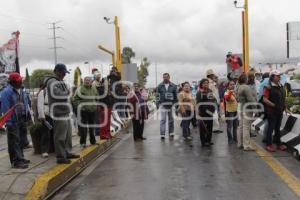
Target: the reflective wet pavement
pixel 172 169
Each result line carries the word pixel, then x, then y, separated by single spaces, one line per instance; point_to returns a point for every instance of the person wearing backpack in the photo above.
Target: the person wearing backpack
pixel 274 99
pixel 60 110
pixel 231 115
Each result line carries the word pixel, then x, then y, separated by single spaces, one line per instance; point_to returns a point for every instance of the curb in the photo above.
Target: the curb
pixel 51 181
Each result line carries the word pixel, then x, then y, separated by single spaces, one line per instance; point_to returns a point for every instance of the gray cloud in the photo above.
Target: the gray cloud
pixel 184 37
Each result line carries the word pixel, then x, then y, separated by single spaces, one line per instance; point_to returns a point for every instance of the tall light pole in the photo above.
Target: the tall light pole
pixel 245 24
pixel 118 42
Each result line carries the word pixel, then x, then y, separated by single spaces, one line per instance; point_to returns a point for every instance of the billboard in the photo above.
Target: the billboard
pixel 234 65
pixel 293 39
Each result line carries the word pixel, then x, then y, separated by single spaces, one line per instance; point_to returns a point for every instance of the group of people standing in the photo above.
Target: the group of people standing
pixel 94 100
pixel 240 102
pixel 92 103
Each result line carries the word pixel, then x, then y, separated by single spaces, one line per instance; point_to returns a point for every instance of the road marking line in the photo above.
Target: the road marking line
pixel 290 179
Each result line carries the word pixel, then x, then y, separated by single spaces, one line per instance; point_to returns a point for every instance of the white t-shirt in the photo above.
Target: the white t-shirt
pixel 167 86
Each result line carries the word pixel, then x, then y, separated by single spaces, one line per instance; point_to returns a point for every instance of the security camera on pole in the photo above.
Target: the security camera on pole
pixel 118 42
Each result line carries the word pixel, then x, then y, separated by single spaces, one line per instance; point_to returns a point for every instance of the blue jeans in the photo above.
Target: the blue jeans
pixel 166 114
pixel 232 125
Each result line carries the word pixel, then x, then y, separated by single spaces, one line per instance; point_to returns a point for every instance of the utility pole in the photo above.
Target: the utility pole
pixel 55 47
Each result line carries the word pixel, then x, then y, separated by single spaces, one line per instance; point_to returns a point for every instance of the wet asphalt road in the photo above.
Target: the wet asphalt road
pixel 156 170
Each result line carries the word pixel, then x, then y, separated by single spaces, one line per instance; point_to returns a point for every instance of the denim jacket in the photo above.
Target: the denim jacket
pixel 9 98
pixel 164 96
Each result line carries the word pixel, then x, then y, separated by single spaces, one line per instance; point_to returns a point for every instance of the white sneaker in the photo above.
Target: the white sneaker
pixel 189 138
pixel 83 145
pixel 171 135
pixel 45 155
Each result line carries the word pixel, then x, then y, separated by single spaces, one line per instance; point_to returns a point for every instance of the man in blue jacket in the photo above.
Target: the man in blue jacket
pixel 166 97
pixel 11 96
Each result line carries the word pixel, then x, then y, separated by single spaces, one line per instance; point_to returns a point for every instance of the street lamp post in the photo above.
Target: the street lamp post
pixel 109 52
pixel 245 24
pixel 118 42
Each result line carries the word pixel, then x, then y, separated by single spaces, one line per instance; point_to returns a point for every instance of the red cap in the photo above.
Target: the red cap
pixel 15 76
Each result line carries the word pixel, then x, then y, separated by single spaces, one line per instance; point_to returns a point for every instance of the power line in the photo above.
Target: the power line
pixel 81 48
pixel 55 47
pixel 22 19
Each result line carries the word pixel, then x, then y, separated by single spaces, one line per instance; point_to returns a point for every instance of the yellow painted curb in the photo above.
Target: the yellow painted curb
pixel 39 189
pixel 291 180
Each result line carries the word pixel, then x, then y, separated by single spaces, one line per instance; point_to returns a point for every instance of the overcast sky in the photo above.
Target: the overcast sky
pixel 184 38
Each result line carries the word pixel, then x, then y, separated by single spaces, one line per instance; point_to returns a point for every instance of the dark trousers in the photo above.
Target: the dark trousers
pixel 24 142
pixel 138 128
pixel 45 136
pixel 185 124
pixel 206 127
pixel 194 120
pixel 274 122
pixel 14 142
pixel 97 121
pixel 87 119
pixel 232 125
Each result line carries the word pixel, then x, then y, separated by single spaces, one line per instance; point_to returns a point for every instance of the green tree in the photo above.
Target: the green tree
pixel 27 80
pixel 296 76
pixel 143 71
pixel 127 54
pixel 38 76
pixel 77 77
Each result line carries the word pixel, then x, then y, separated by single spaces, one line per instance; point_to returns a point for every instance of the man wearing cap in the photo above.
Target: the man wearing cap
pixel 210 74
pixel 12 96
pixel 274 98
pixel 60 109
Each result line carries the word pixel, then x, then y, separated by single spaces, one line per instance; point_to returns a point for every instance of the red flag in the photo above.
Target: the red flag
pixel 4 118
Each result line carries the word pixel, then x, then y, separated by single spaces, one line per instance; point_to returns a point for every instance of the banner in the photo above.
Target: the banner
pixel 9 61
pixel 4 118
